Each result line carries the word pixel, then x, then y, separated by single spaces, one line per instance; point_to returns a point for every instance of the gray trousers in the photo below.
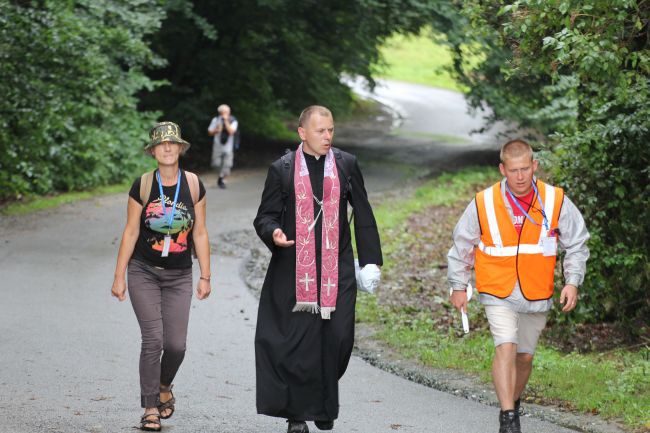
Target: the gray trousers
pixel 161 300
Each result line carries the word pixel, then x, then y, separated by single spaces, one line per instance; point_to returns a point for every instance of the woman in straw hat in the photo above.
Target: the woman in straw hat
pixel 165 220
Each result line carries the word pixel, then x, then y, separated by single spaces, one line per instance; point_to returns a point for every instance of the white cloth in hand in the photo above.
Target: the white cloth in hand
pixel 367 278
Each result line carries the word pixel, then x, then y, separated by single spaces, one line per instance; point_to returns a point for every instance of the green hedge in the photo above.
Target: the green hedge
pixel 578 72
pixel 68 76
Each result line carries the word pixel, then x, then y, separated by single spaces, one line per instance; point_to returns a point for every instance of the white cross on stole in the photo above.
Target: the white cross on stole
pixel 307 280
pixel 329 285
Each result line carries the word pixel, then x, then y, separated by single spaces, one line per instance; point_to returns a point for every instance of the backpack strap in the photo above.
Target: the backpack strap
pixel 342 163
pixel 236 137
pixel 146 180
pixel 193 182
pixel 287 163
pixel 288 160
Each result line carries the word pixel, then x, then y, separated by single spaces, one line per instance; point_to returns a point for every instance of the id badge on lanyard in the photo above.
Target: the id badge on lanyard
pixel 168 239
pixel 166 243
pixel 549 246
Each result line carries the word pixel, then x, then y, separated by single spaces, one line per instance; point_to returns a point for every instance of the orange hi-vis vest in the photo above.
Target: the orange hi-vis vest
pixel 504 257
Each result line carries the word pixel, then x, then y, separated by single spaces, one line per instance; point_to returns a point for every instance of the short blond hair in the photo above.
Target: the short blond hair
pixel 222 107
pixel 515 149
pixel 307 112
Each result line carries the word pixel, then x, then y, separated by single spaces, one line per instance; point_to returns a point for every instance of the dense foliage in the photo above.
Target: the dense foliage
pixel 266 58
pixel 83 80
pixel 68 75
pixel 578 71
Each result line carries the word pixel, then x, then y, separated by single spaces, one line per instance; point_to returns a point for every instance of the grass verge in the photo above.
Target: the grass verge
pixel 37 203
pixel 418 59
pixel 614 384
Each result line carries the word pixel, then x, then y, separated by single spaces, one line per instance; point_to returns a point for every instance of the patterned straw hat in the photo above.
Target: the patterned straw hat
pixel 166 131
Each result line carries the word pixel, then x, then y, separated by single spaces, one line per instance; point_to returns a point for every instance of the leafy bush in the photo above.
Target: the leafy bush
pixel 578 71
pixel 266 58
pixel 68 76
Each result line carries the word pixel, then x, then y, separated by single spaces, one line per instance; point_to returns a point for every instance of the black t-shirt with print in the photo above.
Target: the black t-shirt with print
pixel 153 227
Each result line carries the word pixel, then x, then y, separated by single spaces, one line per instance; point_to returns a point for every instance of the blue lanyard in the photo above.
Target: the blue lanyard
pixel 541 206
pixel 162 198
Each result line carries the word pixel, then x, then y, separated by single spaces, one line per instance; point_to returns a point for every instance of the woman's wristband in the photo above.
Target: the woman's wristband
pixel 205 278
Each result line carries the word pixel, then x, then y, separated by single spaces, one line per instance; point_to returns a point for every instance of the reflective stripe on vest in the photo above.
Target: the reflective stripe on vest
pixel 492 217
pixel 499 250
pixel 510 251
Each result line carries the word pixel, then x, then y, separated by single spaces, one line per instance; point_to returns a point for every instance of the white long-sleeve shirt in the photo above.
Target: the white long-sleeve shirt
pixel 573 239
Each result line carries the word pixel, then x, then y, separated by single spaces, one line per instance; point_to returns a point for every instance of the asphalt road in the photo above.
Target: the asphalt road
pixel 440 114
pixel 69 360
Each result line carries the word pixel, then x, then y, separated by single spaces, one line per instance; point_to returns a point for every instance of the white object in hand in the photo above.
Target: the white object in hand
pixel 368 278
pixel 463 313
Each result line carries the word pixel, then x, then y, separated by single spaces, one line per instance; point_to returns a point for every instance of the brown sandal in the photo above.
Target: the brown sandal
pixel 145 422
pixel 168 405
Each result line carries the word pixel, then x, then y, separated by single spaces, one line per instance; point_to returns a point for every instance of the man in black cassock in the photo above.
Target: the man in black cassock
pixel 299 355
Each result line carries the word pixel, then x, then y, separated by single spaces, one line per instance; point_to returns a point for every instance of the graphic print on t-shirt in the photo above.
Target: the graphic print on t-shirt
pixel 518 221
pixel 158 224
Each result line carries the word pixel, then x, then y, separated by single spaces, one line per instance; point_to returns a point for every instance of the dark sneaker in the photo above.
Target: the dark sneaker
pixel 297 426
pixel 324 425
pixel 221 184
pixel 507 422
pixel 518 412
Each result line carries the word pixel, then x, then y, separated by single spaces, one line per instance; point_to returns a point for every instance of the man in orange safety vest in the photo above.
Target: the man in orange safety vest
pixel 510 234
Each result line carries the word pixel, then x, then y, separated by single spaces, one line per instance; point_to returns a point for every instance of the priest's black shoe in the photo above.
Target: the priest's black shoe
pixel 297 426
pixel 324 425
pixel 508 422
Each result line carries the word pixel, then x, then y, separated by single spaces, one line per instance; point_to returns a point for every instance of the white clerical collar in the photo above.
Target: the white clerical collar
pixel 315 156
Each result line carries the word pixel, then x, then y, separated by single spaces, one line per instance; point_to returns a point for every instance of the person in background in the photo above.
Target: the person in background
pixel 224 130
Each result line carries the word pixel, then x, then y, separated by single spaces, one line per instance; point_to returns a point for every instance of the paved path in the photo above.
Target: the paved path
pixel 425 111
pixel 69 359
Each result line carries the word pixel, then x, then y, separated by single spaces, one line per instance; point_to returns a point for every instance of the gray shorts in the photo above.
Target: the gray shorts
pixel 509 326
pixel 222 159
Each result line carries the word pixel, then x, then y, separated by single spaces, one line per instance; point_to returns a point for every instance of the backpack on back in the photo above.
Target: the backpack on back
pixel 146 181
pixel 345 165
